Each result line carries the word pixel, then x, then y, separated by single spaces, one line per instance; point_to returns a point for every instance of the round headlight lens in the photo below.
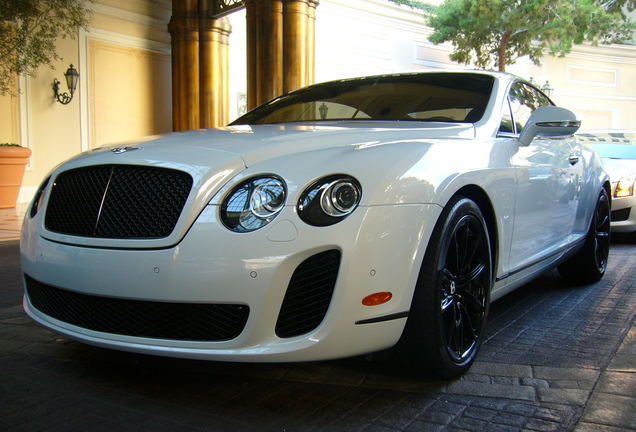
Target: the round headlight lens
pixel 339 198
pixel 267 198
pixel 253 203
pixel 329 200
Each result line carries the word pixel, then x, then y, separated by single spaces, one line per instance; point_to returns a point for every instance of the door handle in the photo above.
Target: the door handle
pixel 573 159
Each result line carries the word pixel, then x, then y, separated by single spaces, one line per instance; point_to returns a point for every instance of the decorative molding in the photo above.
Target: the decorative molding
pixel 612 111
pixel 129 16
pixel 113 38
pixel 583 96
pixel 25 117
pixel 615 53
pixel 570 67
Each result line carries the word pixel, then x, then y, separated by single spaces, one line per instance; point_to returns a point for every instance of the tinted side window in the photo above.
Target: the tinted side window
pixel 523 101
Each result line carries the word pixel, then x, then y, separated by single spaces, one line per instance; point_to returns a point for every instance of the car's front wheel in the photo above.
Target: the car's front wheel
pixel 448 314
pixel 590 263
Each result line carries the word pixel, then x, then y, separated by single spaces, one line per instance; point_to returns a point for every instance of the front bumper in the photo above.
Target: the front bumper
pixel 624 214
pixel 381 250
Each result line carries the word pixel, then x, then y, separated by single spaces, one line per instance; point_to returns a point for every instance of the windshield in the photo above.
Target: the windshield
pixel 433 97
pixel 611 145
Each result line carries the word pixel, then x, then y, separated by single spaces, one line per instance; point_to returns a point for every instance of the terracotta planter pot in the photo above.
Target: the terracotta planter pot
pixel 13 160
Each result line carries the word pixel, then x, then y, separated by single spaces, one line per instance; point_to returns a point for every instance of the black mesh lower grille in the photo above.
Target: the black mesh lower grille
pixel 621 215
pixel 308 294
pixel 181 321
pixel 117 201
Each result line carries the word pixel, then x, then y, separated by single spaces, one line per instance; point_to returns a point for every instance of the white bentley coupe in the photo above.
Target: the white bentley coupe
pixel 339 219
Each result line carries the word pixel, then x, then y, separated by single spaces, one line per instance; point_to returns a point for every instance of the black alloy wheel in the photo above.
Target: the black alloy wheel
pixel 450 306
pixel 601 232
pixel 588 265
pixel 464 283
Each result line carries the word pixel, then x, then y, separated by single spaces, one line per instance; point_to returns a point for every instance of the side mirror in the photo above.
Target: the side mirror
pixel 549 121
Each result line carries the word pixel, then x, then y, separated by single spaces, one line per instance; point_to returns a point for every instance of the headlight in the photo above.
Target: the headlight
pixel 253 203
pixel 329 200
pixel 624 187
pixel 39 197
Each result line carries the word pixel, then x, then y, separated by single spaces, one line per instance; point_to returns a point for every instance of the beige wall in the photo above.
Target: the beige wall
pixel 53 129
pixel 127 91
pixel 598 83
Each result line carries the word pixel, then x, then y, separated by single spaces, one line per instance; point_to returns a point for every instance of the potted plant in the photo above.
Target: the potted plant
pixel 13 160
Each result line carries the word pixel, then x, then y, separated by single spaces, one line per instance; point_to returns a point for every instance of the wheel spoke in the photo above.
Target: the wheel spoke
pixel 474 248
pixel 474 331
pixel 451 328
pixel 472 301
pixel 459 323
pixel 449 275
pixel 476 272
pixel 447 302
pixel 457 259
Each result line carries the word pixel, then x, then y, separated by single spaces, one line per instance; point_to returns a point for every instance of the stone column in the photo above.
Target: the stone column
pixel 311 42
pixel 184 30
pixel 264 50
pixel 253 9
pixel 213 70
pixel 270 51
pixel 295 20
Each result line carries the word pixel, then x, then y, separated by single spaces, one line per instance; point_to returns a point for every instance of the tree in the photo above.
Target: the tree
pixel 498 32
pixel 28 31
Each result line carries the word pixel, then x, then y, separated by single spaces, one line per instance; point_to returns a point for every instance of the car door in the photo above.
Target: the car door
pixel 546 189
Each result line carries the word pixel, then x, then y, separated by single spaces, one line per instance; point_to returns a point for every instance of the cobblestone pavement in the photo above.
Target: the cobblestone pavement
pixel 556 358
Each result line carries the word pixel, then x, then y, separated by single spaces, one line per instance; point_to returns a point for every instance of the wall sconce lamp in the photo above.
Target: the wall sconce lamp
pixel 72 77
pixel 323 111
pixel 547 88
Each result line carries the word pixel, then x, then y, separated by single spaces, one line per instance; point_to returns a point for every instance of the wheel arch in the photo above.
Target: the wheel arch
pixel 608 188
pixel 480 197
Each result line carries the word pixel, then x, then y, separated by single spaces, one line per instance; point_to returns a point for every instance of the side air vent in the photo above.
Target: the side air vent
pixel 309 294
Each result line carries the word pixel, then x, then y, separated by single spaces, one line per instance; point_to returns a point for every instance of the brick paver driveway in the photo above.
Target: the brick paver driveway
pixel 549 363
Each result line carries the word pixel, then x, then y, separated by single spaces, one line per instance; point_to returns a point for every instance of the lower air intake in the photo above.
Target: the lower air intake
pixel 308 294
pixel 162 320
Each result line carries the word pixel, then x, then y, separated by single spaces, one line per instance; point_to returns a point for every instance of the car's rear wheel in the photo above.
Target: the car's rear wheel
pixel 446 323
pixel 589 263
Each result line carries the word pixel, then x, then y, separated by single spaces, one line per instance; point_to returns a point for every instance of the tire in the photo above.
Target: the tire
pixel 450 305
pixel 590 262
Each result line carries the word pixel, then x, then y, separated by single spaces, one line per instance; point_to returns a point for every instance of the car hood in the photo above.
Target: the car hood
pixel 214 156
pixel 254 144
pixel 619 168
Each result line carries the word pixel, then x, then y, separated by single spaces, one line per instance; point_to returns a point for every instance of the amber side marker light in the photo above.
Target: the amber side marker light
pixel 376 299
